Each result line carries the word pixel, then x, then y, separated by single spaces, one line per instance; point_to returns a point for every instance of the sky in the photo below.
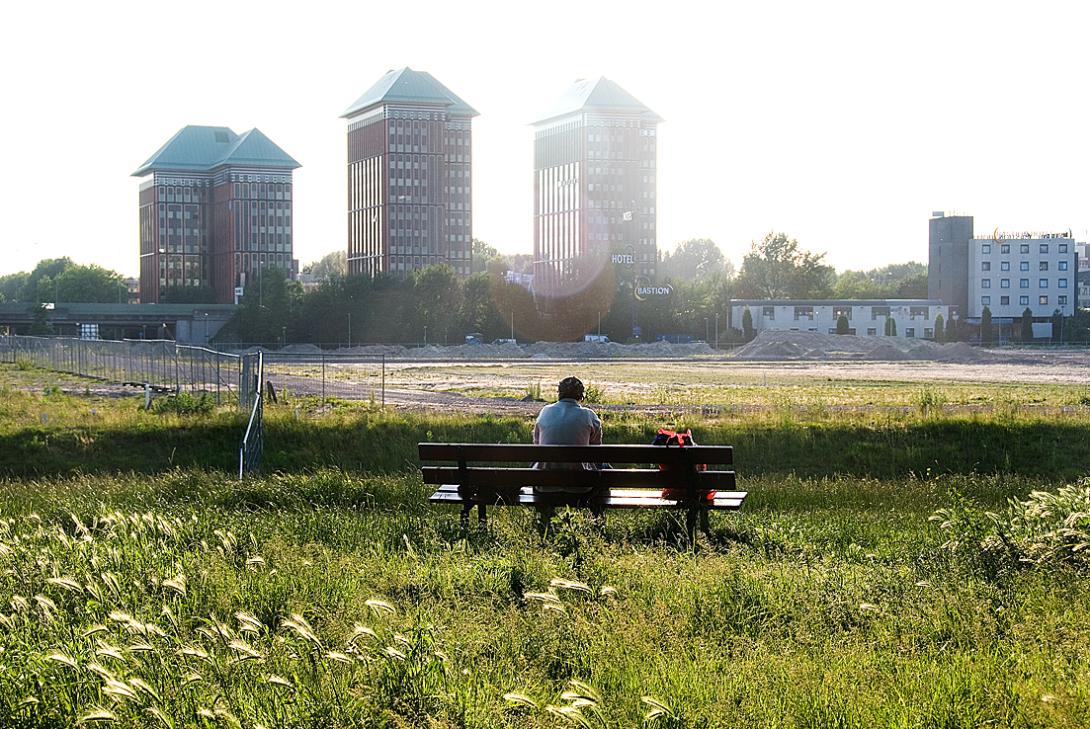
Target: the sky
pixel 843 124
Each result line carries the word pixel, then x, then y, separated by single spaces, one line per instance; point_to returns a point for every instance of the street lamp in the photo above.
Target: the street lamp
pixel 425 335
pixel 705 329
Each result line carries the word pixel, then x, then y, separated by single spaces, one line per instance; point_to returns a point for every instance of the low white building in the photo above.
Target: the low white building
pixel 913 318
pixel 1010 272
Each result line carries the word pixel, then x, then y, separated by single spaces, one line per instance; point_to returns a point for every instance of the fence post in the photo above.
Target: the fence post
pixel 383 382
pixel 323 379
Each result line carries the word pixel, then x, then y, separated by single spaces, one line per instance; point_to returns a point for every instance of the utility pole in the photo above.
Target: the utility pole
pixel 349 315
pixel 513 324
pixel 599 324
pixel 717 330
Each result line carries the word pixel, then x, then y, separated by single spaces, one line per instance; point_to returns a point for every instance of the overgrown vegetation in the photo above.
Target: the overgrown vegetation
pixel 329 593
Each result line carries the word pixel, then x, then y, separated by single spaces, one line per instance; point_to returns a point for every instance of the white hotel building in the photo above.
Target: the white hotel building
pixel 914 318
pixel 1009 273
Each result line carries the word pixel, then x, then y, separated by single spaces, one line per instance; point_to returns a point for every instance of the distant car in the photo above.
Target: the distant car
pixel 598 338
pixel 504 341
pixel 475 338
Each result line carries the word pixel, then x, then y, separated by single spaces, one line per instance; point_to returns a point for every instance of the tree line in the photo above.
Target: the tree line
pixel 435 306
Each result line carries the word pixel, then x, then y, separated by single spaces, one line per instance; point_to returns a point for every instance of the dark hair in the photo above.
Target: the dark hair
pixel 570 387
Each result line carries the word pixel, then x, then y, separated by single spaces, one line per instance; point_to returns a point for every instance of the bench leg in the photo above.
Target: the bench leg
pixel 690 525
pixel 543 518
pixel 465 515
pixel 482 516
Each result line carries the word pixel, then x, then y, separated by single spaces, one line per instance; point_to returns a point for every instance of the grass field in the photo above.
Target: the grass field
pixel 140 585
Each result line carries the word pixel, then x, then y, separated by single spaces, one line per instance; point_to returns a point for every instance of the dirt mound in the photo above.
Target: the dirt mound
pixel 772 345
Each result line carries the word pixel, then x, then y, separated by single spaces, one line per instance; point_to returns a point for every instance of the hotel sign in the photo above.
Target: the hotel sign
pixel 644 289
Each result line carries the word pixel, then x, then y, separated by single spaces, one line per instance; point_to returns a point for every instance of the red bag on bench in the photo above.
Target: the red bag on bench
pixel 670 438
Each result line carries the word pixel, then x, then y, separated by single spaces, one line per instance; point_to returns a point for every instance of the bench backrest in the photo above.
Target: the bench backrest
pixel 464 453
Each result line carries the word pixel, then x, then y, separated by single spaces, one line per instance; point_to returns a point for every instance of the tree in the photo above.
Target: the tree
pixel 747 325
pixel 90 284
pixel 895 281
pixel 11 286
pixel 939 333
pixel 267 310
pixel 776 268
pixel 437 297
pixel 478 312
pixel 842 325
pixel 39 324
pixel 481 253
pixel 891 326
pixel 986 333
pixel 1057 326
pixel 331 265
pixel 1027 325
pixel 698 259
pixel 187 295
pixel 39 284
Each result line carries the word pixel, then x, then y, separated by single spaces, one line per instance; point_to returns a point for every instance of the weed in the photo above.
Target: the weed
pixel 184 403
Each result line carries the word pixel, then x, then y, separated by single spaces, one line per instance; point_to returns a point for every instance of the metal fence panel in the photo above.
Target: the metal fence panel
pixel 160 363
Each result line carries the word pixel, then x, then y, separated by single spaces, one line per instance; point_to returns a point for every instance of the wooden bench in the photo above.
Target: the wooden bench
pixel 620 487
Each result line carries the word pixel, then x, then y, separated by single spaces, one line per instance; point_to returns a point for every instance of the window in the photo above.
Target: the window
pixel 1023 266
pixel 877 311
pixel 1062 265
pixel 1062 283
pixel 1061 300
pixel 928 333
pixel 1042 300
pixel 1005 248
pixel 768 312
pixel 910 332
pixel 1042 266
pixel 985 283
pixel 1004 283
pixel 804 312
pixel 985 300
pixel 986 248
pixel 842 311
pixel 1024 248
pixel 1042 283
pixel 1044 248
pixel 1023 301
pixel 986 266
pixel 919 312
pixel 872 332
pixel 1005 266
pixel 1063 248
pixel 1023 283
pixel 1004 301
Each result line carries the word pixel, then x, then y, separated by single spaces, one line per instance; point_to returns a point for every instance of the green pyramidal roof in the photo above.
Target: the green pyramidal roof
pixel 598 94
pixel 409 86
pixel 203 149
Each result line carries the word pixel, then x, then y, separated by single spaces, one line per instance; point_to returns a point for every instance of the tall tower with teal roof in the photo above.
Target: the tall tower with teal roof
pixel 410 202
pixel 215 212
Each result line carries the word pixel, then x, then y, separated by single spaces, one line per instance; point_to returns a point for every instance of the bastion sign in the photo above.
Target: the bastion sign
pixel 644 290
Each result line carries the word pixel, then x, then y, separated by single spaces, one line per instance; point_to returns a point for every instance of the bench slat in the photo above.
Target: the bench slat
pixel 526 453
pixel 611 478
pixel 728 501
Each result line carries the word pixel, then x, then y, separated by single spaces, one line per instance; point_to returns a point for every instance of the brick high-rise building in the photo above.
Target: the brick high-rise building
pixel 594 184
pixel 216 211
pixel 409 176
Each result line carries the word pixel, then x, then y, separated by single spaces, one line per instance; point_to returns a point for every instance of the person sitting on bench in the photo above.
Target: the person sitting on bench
pixel 566 422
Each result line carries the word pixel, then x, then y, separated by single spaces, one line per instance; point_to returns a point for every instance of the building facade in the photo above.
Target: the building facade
pixel 913 318
pixel 595 172
pixel 1011 272
pixel 948 259
pixel 215 212
pixel 410 202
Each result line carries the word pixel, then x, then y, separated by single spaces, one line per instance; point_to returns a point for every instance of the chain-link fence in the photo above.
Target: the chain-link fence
pixel 157 363
pixel 319 375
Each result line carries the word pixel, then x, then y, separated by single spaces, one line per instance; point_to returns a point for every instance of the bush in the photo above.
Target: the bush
pixel 184 404
pixel 1048 528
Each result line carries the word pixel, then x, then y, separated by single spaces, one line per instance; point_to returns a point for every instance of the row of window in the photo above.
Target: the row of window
pixel 1005 248
pixel 807 312
pixel 1023 300
pixel 1023 283
pixel 1023 265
